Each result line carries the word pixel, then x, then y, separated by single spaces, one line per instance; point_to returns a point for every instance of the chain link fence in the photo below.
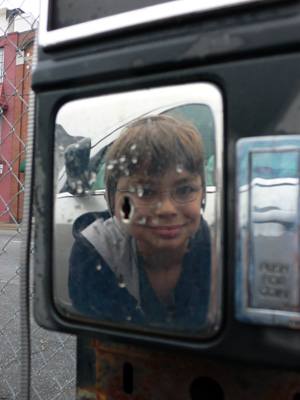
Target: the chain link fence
pixel 53 356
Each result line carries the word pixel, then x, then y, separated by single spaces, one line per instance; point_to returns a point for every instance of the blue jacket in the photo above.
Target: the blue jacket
pixel 107 280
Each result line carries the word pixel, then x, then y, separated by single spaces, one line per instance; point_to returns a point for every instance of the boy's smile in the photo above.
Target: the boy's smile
pixel 167 208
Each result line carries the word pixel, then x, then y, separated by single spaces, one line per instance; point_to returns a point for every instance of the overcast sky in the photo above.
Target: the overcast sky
pixel 32 6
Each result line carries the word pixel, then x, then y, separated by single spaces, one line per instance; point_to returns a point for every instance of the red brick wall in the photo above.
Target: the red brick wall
pixel 9 43
pixel 20 122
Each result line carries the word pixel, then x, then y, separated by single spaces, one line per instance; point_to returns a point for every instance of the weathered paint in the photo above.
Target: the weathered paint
pixel 161 375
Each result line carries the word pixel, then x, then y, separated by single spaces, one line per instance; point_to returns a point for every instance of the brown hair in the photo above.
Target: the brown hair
pixel 155 143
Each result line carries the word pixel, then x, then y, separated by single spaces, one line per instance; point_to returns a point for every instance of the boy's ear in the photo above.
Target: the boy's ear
pixel 203 203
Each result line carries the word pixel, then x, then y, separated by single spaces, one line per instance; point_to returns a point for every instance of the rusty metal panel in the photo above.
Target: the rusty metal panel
pixel 125 372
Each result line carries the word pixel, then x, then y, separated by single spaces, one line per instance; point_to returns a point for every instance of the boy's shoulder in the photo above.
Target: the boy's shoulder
pixel 87 219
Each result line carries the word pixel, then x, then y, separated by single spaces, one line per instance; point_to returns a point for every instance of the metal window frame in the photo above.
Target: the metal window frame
pixel 214 100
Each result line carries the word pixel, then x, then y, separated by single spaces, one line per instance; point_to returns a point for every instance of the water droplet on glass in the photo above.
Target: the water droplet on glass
pixel 122 159
pixel 79 189
pixel 139 191
pixel 131 189
pixel 99 267
pixel 126 172
pixel 76 146
pixel 121 167
pixel 93 178
pixel 134 160
pixel 110 167
pixel 142 220
pixel 121 282
pixel 159 205
pixel 61 148
pixel 133 147
pixel 179 169
pixel 129 318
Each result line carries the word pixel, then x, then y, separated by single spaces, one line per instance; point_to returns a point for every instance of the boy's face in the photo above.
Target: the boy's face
pixel 160 222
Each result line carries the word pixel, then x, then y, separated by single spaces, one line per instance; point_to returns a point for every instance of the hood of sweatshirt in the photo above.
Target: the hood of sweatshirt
pixel 118 249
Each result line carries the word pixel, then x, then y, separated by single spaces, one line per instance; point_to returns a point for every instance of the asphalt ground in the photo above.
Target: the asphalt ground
pixel 53 355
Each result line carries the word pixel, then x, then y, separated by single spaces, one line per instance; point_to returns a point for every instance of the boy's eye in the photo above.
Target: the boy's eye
pixel 148 192
pixel 185 190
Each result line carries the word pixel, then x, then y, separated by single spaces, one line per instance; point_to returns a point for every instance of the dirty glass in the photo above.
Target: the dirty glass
pixel 274 219
pixel 268 230
pixel 137 210
pixel 70 12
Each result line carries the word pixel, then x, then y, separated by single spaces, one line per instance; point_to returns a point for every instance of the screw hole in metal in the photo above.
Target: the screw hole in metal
pixel 206 388
pixel 128 378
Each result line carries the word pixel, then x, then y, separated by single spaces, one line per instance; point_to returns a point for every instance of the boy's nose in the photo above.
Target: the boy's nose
pixel 166 204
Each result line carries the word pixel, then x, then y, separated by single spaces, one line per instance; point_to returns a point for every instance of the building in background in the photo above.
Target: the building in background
pixel 17 32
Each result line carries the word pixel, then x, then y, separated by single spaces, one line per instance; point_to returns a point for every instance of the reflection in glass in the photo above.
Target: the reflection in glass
pixel 149 263
pixel 267 284
pixel 141 201
pixel 274 201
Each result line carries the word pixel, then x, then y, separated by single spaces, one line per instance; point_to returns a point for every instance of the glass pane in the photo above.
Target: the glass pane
pixel 274 244
pixel 137 208
pixel 70 12
pixel 267 258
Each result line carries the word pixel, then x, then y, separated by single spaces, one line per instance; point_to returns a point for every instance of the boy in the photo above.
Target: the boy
pixel 149 264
